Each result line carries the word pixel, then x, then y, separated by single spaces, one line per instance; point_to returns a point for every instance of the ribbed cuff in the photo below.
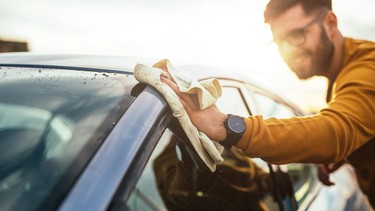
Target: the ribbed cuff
pixel 244 142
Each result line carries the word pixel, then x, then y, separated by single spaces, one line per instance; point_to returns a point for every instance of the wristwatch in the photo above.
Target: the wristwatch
pixel 235 126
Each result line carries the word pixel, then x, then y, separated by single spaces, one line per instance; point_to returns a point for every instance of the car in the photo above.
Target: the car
pixel 81 133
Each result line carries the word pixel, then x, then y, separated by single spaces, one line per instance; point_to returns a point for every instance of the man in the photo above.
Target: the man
pixel 309 41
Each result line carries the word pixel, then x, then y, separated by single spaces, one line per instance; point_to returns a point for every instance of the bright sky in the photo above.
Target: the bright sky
pixel 225 33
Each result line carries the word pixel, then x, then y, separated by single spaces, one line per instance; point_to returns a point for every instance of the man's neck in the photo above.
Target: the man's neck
pixel 337 59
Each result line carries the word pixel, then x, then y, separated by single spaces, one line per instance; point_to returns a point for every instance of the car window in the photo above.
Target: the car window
pixel 303 176
pixel 171 181
pixel 271 107
pixel 49 119
pixel 231 102
pixel 145 195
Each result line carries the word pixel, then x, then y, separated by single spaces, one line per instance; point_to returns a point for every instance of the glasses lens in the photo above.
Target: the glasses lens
pixel 296 37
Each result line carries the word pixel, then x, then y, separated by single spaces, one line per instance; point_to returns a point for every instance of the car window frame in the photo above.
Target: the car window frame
pixel 244 95
pixel 253 90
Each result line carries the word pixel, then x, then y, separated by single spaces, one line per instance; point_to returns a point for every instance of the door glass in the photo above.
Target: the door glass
pixel 231 102
pixel 302 175
pixel 272 108
pixel 145 195
pixel 171 181
pixel 49 119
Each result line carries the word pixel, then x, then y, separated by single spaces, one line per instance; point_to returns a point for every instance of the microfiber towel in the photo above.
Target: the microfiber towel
pixel 206 92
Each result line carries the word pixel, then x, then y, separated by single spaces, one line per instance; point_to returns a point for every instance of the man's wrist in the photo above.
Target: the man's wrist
pixel 235 127
pixel 221 130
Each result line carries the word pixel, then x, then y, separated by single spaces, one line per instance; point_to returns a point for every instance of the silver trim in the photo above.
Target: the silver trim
pixel 311 197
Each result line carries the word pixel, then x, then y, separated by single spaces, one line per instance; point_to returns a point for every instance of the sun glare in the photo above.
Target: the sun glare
pixel 229 34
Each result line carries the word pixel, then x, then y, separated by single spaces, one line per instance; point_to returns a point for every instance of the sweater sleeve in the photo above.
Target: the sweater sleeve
pixel 331 135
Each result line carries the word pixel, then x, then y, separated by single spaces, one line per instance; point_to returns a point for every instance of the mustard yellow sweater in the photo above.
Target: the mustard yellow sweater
pixel 336 131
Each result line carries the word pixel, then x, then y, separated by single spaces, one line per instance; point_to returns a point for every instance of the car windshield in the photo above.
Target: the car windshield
pixel 51 122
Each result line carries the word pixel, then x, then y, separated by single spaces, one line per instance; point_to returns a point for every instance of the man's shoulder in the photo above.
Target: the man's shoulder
pixel 360 44
pixel 359 63
pixel 357 50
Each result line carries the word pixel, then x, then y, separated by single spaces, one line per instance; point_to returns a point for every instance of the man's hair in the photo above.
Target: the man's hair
pixel 277 7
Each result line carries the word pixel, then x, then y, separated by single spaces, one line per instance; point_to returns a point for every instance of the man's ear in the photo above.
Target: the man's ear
pixel 330 24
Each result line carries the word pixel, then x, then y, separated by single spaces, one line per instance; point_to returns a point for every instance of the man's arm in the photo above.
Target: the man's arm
pixel 326 137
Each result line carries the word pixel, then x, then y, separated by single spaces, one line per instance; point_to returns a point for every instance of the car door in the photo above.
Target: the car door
pixel 303 176
pixel 239 97
pixel 172 177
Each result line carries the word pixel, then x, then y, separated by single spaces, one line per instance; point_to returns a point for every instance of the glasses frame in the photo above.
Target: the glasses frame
pixel 301 32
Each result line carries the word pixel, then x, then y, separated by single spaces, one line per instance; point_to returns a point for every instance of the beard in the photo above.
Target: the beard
pixel 323 55
pixel 320 58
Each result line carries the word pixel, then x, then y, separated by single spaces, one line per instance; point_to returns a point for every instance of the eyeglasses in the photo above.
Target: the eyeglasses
pixel 297 37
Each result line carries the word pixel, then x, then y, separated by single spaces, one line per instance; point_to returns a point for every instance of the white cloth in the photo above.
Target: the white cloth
pixel 207 92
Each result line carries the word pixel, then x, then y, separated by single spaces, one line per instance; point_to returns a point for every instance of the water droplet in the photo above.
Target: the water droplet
pixel 4 186
pixel 27 186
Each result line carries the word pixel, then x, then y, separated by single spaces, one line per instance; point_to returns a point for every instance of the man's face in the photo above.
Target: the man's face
pixel 303 42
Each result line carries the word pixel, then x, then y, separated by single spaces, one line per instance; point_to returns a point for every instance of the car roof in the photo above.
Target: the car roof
pixel 121 63
pixel 126 64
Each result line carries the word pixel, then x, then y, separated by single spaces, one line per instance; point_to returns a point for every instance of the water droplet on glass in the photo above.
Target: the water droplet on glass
pixel 27 186
pixel 4 186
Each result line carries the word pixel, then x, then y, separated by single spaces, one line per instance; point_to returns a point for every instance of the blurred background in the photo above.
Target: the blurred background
pixel 224 33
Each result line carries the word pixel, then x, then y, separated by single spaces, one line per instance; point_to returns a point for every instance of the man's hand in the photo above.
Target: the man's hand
pixel 325 169
pixel 209 121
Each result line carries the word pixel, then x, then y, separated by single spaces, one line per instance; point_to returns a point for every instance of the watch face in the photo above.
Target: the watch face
pixel 236 124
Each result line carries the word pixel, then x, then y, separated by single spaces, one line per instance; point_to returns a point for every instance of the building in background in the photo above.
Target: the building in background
pixel 13 46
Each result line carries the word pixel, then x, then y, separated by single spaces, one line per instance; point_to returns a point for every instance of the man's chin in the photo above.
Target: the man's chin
pixel 303 76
